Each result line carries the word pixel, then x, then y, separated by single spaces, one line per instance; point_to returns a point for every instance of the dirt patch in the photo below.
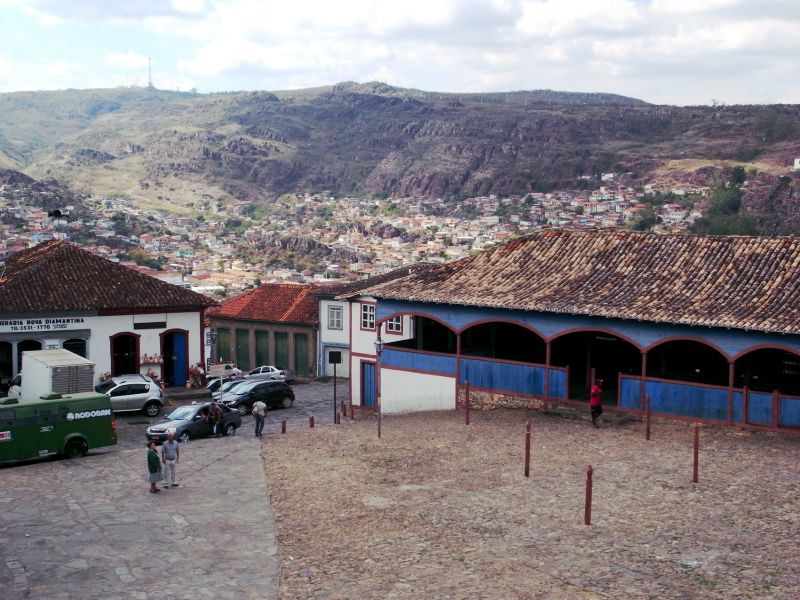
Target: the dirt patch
pixel 436 509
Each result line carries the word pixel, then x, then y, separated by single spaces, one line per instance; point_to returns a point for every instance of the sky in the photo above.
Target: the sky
pixel 661 51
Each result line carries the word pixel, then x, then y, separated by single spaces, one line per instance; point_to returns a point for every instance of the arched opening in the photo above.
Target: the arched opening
pixel 24 346
pixel 77 346
pixel 175 350
pixel 767 370
pixel 124 354
pixel 6 366
pixel 429 336
pixel 687 360
pixel 503 341
pixel 607 354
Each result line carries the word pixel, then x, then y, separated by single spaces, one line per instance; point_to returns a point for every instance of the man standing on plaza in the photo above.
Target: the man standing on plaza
pixel 260 413
pixel 170 453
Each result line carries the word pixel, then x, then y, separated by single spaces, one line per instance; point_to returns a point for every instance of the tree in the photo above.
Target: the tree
pixel 724 215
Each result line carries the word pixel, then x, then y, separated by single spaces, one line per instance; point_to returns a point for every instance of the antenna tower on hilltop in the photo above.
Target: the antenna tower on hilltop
pixel 149 75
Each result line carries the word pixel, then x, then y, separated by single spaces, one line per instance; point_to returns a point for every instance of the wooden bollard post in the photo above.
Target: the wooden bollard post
pixel 352 412
pixel 696 452
pixel 311 421
pixel 527 449
pixel 466 404
pixel 587 510
pixel 647 417
pixel 283 426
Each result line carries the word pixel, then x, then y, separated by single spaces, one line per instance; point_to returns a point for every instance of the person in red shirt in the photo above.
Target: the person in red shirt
pixel 595 404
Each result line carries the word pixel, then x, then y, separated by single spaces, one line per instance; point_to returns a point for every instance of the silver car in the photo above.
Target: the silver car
pixel 133 392
pixel 273 373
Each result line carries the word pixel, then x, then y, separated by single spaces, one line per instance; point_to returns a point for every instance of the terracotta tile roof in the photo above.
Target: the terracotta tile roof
pixel 353 288
pixel 57 275
pixel 716 281
pixel 273 302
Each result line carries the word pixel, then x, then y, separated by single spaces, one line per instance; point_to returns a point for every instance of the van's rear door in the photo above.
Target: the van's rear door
pixel 46 432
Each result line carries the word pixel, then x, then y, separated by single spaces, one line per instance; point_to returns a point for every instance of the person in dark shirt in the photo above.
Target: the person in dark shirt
pixel 215 419
pixel 153 467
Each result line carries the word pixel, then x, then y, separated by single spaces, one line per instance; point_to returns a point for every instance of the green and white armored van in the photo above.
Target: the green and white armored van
pixel 70 425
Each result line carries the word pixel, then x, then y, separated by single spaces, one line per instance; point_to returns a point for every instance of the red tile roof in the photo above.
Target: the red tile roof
pixel 57 275
pixel 353 288
pixel 273 302
pixel 750 283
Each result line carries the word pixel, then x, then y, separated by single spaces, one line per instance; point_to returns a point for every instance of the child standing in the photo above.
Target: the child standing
pixel 153 467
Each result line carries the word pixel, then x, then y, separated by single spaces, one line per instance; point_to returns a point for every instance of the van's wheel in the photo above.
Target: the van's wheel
pixel 184 437
pixel 244 409
pixel 151 409
pixel 230 429
pixel 75 448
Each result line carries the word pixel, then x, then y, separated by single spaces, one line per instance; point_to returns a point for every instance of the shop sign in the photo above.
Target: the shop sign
pixel 41 324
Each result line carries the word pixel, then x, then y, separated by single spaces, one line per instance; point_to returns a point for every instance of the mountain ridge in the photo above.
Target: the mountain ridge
pixel 165 148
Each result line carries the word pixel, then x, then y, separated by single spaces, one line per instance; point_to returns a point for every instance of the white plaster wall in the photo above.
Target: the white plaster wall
pixel 334 339
pixel 363 342
pixel 404 391
pixel 355 380
pixel 334 336
pixel 342 369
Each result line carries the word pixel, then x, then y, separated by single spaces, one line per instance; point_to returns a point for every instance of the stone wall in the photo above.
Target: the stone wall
pixel 482 400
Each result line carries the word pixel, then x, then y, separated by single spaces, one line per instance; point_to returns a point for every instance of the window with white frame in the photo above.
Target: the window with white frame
pixel 335 317
pixel 368 316
pixel 394 325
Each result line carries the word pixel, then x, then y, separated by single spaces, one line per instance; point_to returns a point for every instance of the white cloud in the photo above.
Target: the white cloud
pixel 658 50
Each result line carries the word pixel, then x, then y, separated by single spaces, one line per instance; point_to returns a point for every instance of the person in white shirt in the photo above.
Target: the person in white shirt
pixel 170 453
pixel 260 413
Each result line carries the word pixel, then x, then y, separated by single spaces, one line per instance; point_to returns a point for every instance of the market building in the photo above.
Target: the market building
pixel 56 295
pixel 705 327
pixel 273 324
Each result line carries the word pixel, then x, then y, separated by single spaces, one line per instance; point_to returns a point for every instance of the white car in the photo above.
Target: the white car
pixel 133 392
pixel 273 373
pixel 15 387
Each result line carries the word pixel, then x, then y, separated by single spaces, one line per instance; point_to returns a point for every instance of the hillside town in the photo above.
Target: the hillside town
pixel 217 253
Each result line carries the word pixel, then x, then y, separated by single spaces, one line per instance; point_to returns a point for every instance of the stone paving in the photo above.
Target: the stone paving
pixel 89 528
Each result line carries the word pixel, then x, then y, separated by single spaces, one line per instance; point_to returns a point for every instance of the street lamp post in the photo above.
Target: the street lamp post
pixel 378 350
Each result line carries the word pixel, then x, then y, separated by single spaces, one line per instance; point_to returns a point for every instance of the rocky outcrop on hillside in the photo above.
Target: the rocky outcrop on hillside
pixel 374 138
pixel 275 248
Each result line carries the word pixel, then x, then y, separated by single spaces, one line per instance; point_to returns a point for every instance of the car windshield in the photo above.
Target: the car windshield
pixel 243 389
pixel 181 413
pixel 228 386
pixel 104 387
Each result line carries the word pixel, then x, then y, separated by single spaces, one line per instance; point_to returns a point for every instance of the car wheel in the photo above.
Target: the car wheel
pixel 244 409
pixel 287 401
pixel 184 437
pixel 151 409
pixel 230 429
pixel 75 448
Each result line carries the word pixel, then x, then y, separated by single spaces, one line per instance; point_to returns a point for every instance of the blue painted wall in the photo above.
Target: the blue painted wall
pixel 790 412
pixel 682 399
pixel 732 342
pixel 419 361
pixel 502 376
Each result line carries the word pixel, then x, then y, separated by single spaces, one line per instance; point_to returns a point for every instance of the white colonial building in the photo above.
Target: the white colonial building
pixel 56 295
